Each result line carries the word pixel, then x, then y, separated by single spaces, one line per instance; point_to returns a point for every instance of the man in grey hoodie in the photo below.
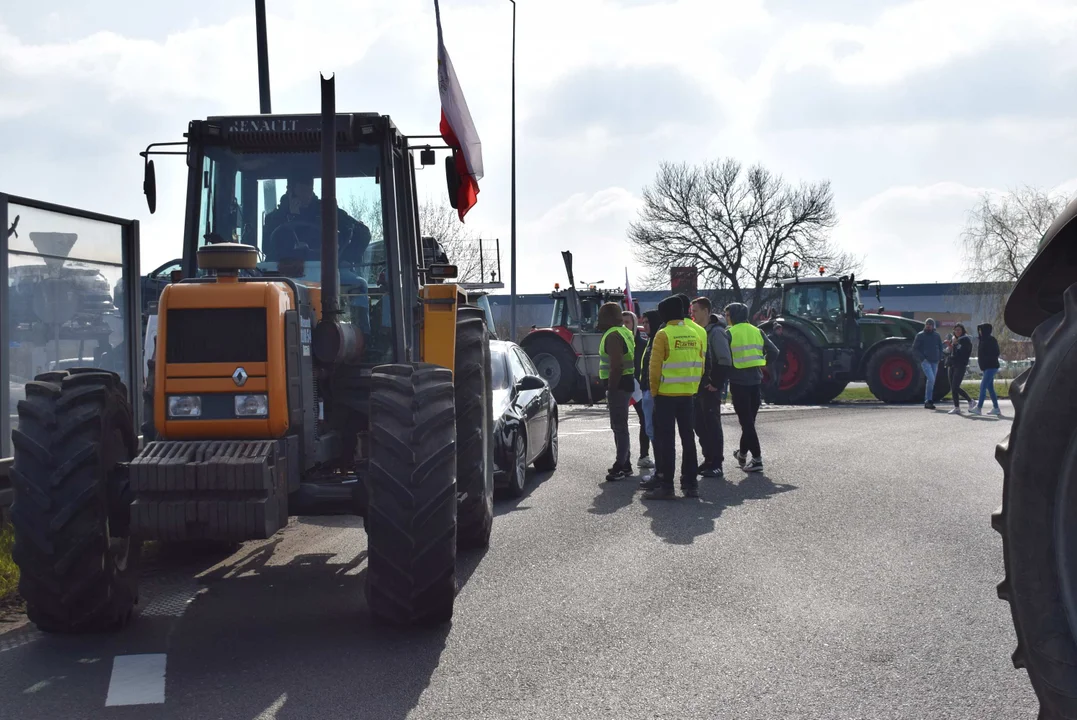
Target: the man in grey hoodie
pixel 927 346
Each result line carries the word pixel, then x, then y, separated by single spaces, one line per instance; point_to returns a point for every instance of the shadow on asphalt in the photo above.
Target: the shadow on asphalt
pixel 681 521
pixel 298 639
pixel 503 504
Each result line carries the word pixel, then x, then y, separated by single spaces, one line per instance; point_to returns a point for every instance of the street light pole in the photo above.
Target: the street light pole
pixel 512 220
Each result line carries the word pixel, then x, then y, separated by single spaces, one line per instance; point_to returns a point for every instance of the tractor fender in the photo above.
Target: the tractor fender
pixel 862 367
pixel 807 329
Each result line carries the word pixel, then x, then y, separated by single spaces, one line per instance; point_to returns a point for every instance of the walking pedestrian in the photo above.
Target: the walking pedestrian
pixel 717 362
pixel 751 351
pixel 987 357
pixel 616 352
pixel 959 364
pixel 652 323
pixel 633 325
pixel 927 346
pixel 676 368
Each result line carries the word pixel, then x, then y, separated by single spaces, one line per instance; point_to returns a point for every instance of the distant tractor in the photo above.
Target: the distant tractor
pixel 566 353
pixel 827 341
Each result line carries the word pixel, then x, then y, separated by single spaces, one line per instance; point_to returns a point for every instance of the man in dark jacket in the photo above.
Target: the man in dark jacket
pixel 987 356
pixel 751 351
pixel 716 366
pixel 617 353
pixel 927 346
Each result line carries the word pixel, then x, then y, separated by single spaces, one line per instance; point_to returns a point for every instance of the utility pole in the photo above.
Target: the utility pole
pixel 512 240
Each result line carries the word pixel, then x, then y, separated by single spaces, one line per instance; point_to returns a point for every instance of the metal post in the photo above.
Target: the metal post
pixel 512 241
pixel 482 266
pixel 263 56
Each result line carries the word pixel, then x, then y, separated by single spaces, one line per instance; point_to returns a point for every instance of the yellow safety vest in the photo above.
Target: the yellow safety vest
pixel 630 353
pixel 747 346
pixel 683 369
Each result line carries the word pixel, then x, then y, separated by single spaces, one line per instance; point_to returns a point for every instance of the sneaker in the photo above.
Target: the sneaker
pixel 712 472
pixel 617 473
pixel 973 406
pixel 690 492
pixel 644 462
pixel 740 457
pixel 754 465
pixel 997 412
pixel 703 469
pixel 975 410
pixel 929 406
pixel 660 493
pixel 650 482
pixel 955 411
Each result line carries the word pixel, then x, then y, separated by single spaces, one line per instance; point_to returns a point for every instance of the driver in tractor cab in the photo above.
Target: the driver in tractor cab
pixel 302 209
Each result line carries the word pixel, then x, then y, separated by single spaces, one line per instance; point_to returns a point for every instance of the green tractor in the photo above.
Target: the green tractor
pixel 827 341
pixel 1038 517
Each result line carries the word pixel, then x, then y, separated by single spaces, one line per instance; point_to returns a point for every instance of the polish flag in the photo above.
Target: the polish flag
pixel 457 128
pixel 628 294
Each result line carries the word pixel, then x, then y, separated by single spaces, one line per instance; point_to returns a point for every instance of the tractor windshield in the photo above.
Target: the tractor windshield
pixel 271 200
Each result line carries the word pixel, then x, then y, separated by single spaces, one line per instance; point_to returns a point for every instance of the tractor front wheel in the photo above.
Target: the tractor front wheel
pixel 894 375
pixel 1038 517
pixel 798 372
pixel 72 509
pixel 556 362
pixel 411 518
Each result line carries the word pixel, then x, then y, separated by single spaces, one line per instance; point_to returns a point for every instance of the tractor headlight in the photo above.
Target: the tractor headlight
pixel 184 406
pixel 252 405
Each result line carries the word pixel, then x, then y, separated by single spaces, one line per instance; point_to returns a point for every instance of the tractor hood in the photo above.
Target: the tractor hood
pixel 1038 292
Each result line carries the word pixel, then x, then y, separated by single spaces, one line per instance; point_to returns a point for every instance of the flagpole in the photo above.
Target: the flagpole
pixel 512 219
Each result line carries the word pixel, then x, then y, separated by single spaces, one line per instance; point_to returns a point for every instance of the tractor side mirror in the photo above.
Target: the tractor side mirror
pixel 452 182
pixel 426 157
pixel 149 186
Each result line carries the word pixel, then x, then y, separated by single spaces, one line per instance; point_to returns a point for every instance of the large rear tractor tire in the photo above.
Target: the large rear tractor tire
pixel 474 430
pixel 800 378
pixel 828 390
pixel 411 519
pixel 1038 517
pixel 71 516
pixel 894 375
pixel 556 363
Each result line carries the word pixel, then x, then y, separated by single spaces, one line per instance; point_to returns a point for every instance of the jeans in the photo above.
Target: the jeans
pixel 618 405
pixel 987 385
pixel 746 401
pixel 930 370
pixel 644 438
pixel 709 427
pixel 648 414
pixel 679 410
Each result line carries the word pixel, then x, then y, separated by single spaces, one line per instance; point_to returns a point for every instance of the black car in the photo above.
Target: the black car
pixel 525 417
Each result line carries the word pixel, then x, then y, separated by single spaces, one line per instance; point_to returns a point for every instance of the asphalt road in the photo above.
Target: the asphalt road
pixel 854 579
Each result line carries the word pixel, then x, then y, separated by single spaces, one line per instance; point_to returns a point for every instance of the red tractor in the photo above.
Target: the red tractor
pixel 566 353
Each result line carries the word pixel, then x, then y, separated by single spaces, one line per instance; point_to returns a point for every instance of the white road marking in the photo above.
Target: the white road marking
pixel 137 680
pixel 270 713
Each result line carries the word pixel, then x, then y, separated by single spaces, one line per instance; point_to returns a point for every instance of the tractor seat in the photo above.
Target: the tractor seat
pixel 227 257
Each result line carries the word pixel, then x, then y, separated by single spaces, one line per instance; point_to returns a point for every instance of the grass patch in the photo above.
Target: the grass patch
pixel 972 387
pixel 9 571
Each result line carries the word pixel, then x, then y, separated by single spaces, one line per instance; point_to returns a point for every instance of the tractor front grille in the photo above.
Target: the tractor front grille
pixel 216 335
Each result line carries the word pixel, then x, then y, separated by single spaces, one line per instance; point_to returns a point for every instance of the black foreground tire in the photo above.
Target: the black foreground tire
pixel 547 461
pixel 474 430
pixel 411 519
pixel 800 375
pixel 71 516
pixel 556 363
pixel 1038 517
pixel 894 375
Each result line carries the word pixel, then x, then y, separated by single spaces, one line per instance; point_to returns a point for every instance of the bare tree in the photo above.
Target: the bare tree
pixel 741 228
pixel 1002 233
pixel 1000 238
pixel 439 221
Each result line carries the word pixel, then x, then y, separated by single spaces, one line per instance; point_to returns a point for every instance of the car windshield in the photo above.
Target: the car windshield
pixel 499 376
pixel 271 200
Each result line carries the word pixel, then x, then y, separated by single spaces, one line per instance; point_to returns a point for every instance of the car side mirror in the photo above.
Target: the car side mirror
pixel 531 382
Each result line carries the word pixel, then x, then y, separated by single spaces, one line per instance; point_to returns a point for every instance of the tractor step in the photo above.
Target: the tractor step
pixel 209 490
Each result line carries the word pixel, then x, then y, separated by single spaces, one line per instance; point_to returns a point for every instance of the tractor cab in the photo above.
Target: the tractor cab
pixel 584 316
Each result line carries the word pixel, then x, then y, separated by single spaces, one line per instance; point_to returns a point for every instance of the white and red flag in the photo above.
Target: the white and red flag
pixel 628 294
pixel 457 128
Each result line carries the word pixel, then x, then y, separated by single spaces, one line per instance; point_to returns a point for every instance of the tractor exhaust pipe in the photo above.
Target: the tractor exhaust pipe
pixel 334 341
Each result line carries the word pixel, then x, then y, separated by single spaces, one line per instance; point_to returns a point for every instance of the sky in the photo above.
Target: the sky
pixel 912 109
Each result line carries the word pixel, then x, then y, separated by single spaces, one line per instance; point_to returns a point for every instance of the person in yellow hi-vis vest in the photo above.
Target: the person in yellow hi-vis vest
pixel 617 371
pixel 752 351
pixel 676 367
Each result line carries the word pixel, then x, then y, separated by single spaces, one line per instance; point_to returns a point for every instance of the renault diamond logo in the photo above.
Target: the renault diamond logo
pixel 239 376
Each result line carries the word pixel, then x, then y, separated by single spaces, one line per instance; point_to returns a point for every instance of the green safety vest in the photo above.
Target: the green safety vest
pixel 630 353
pixel 746 344
pixel 683 368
